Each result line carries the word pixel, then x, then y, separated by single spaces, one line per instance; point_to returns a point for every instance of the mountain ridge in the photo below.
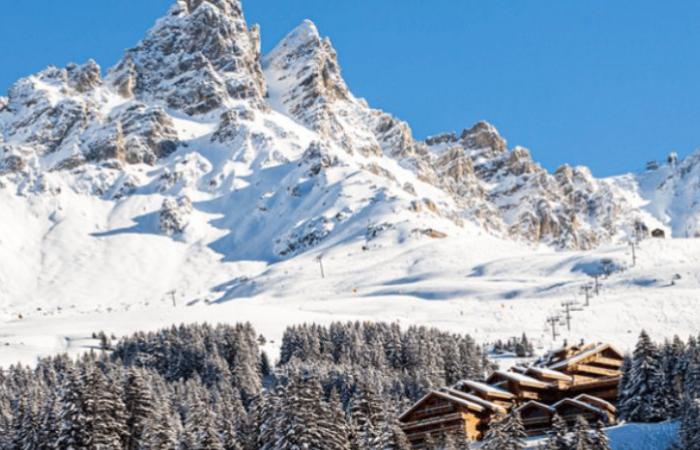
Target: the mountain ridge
pixel 201 147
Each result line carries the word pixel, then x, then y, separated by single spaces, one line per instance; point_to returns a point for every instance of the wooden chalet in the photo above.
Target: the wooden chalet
pixel 536 417
pixel 573 381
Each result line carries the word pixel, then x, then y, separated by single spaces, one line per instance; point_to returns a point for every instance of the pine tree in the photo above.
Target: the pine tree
pixel 558 436
pixel 506 433
pixel 265 366
pixel 339 430
pixel 689 433
pixel 600 439
pixel 140 408
pixel 161 431
pixel 104 410
pixel 200 432
pixel 73 433
pixel 366 416
pixel 582 435
pixel 643 400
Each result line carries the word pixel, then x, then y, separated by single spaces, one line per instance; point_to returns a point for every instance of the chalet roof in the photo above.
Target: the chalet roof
pixel 518 378
pixel 597 402
pixel 478 400
pixel 548 373
pixel 519 369
pixel 536 404
pixel 471 405
pixel 579 404
pixel 485 389
pixel 583 355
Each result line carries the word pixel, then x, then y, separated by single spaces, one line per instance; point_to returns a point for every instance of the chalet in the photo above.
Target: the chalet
pixel 570 409
pixel 536 417
pixel 595 370
pixel 441 412
pixel 573 381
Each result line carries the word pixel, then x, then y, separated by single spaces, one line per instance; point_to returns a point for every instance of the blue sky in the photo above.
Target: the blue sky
pixel 605 84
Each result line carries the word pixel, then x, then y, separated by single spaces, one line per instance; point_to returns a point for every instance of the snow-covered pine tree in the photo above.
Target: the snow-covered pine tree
pixel 105 410
pixel 515 430
pixel 161 431
pixel 140 407
pixel 689 433
pixel 338 428
pixel 643 398
pixel 581 436
pixel 48 422
pixel 73 433
pixel 392 436
pixel 200 427
pixel 506 433
pixel 558 438
pixel 300 424
pixel 366 416
pixel 599 439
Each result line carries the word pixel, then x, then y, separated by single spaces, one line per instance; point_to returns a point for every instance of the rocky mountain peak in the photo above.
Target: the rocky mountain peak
pixel 200 57
pixel 303 70
pixel 483 136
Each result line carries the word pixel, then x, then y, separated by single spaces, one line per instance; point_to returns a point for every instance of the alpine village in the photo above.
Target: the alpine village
pixel 574 381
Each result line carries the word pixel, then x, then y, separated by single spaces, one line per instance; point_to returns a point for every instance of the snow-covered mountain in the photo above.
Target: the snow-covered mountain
pixel 198 169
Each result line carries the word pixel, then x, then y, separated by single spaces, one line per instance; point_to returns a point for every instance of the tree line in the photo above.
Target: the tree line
pixel 203 387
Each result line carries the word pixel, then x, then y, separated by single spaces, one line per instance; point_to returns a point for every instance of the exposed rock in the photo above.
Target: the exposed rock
pixel 231 124
pixel 198 58
pixel 12 164
pixel 84 78
pixel 175 215
pixel 430 232
pixel 105 142
pixel 39 119
pixel 149 133
pixel 305 236
pixel 481 136
pixel 318 158
pixel 444 138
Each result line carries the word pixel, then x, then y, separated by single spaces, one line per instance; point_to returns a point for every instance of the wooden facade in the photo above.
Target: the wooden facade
pixel 573 381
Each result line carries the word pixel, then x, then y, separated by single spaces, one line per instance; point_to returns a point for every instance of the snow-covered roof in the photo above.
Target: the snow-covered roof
pixel 596 401
pixel 549 373
pixel 583 355
pixel 485 388
pixel 478 400
pixel 580 404
pixel 536 404
pixel 519 378
pixel 446 396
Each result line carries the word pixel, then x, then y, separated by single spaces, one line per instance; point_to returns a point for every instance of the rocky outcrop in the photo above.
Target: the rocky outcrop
pixel 149 133
pixel 510 193
pixel 175 215
pixel 200 57
pixel 84 78
pixel 46 113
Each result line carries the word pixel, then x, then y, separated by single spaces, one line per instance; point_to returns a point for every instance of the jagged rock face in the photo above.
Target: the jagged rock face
pixel 46 114
pixel 200 57
pixel 149 133
pixel 305 82
pixel 84 78
pixel 569 209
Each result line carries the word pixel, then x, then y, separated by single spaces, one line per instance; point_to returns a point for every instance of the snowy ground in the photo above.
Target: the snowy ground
pixel 635 436
pixel 128 282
